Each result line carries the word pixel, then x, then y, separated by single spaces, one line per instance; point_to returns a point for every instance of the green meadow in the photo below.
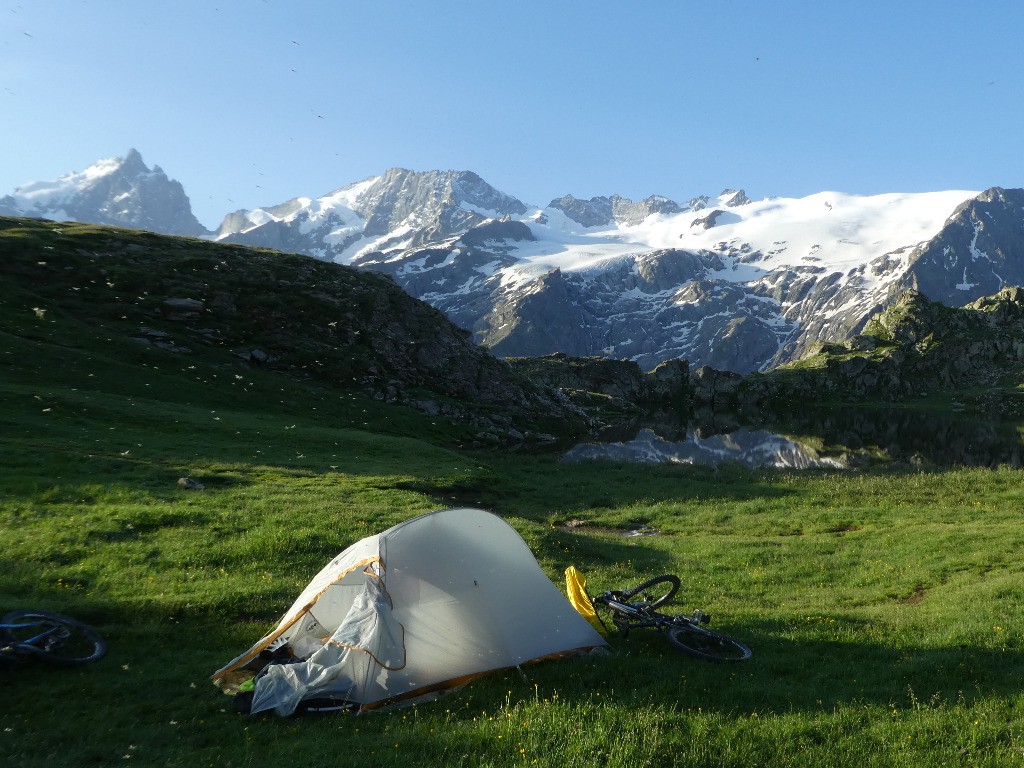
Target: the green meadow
pixel 883 605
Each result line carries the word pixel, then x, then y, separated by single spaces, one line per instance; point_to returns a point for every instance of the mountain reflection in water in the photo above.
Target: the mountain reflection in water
pixel 816 438
pixel 753 447
pixel 926 439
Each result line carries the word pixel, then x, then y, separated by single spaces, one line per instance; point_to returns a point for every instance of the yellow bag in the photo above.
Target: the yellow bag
pixel 576 587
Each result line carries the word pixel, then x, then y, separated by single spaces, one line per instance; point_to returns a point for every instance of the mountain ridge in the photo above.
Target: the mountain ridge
pixel 725 281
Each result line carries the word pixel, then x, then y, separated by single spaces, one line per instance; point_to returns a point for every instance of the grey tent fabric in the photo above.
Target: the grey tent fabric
pixel 428 604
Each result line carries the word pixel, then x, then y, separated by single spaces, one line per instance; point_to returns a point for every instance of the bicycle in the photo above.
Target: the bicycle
pixel 49 637
pixel 684 633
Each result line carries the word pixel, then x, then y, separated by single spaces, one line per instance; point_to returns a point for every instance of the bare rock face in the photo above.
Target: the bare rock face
pixel 601 211
pixel 675 303
pixel 595 212
pixel 714 387
pixel 669 382
pixel 978 252
pixel 424 208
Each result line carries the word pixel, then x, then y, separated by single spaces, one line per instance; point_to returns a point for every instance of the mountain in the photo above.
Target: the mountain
pixel 401 209
pixel 725 281
pixel 722 281
pixel 121 192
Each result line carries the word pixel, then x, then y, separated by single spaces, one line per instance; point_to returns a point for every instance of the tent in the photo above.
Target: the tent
pixel 427 605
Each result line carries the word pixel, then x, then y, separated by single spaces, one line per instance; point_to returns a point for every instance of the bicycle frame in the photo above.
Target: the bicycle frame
pixel 20 647
pixel 627 616
pixel 684 633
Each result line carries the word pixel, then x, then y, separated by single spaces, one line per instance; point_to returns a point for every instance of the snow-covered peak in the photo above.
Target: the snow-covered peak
pixel 733 197
pixel 399 208
pixel 42 195
pixel 121 191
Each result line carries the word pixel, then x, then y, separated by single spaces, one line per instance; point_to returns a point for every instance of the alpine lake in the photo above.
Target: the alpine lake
pixel 813 438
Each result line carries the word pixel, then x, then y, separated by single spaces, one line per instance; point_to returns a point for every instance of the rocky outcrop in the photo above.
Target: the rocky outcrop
pixel 734 197
pixel 601 211
pixel 497 231
pixel 915 348
pixel 617 385
pixel 712 387
pixel 707 220
pixel 669 383
pixel 594 212
pixel 629 213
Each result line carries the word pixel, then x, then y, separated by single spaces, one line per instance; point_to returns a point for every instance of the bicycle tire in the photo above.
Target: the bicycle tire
pixel 645 587
pixel 707 644
pixel 69 644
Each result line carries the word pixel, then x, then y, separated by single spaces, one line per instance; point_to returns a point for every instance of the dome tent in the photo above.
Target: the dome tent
pixel 428 604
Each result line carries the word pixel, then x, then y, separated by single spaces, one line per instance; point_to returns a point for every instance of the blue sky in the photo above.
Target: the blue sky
pixel 252 103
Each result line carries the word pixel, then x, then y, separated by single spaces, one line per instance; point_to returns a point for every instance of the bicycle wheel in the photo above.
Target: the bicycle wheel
pixel 52 637
pixel 707 644
pixel 654 592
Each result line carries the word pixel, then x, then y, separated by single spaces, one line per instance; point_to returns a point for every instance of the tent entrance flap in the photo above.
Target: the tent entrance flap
pixel 334 668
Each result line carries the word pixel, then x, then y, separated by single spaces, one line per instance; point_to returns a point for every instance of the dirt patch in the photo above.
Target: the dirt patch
pixel 914 597
pixel 849 528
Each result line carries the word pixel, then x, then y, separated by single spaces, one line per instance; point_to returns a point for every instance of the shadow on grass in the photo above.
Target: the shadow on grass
pixel 563 547
pixel 153 689
pixel 542 488
pixel 792 674
pixel 787 673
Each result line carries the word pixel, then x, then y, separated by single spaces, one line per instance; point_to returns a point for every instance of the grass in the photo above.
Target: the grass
pixel 882 605
pixel 882 608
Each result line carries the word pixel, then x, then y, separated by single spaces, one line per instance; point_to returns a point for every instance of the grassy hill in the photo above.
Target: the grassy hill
pixel 225 312
pixel 883 607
